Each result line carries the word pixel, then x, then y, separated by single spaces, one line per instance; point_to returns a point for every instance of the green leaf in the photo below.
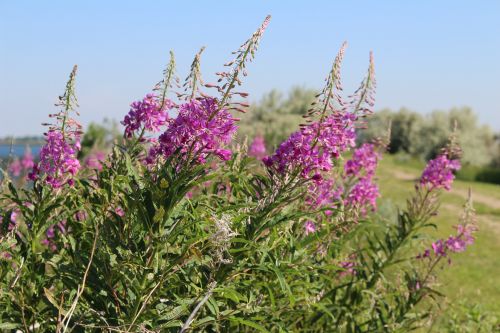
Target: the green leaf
pixel 175 313
pixel 52 300
pixel 159 214
pixel 249 323
pixel 9 326
pixel 284 286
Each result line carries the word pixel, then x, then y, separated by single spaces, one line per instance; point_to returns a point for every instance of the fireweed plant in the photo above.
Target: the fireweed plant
pixel 178 229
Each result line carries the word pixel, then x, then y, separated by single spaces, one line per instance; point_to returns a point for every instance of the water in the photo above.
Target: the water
pixel 17 150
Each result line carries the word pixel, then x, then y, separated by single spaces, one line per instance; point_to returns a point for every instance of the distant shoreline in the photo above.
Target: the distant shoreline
pixel 18 149
pixel 31 141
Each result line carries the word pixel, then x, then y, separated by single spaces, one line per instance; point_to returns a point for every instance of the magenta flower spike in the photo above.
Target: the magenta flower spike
pixel 199 130
pixel 148 114
pixel 58 162
pixel 257 148
pixel 439 173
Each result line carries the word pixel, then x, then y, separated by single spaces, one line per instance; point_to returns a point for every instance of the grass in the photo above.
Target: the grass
pixel 474 275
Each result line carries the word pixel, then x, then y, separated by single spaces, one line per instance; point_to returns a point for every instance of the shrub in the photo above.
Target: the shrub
pixel 486 175
pixel 182 231
pixel 489 175
pixel 423 136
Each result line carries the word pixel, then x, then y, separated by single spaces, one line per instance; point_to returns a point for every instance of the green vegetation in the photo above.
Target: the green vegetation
pixel 473 275
pixel 414 137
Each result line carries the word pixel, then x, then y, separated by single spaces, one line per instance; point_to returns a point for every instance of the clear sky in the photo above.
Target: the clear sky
pixel 428 54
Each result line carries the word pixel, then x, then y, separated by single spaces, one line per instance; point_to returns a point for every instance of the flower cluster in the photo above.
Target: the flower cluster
pixel 311 151
pixel 58 159
pixel 200 129
pixel 150 114
pixel 309 227
pixel 13 219
pixel 458 243
pixel 25 164
pixel 27 161
pixel 322 193
pixel 363 194
pixel 362 166
pixel 364 158
pixel 94 160
pixel 348 268
pixel 257 148
pixel 463 238
pixel 439 173
pixel 58 162
pixel 15 167
pixel 455 244
pixel 50 235
pixel 313 148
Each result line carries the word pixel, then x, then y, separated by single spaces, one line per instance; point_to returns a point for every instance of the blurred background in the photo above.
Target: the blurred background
pixel 437 63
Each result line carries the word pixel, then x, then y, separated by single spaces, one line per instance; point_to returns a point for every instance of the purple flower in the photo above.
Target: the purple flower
pixel 439 173
pixel 5 255
pixel 200 129
pixel 312 148
pixel 364 158
pixel 321 193
pixel 15 167
pixel 439 248
pixel 463 238
pixel 148 113
pixel 58 160
pixel 361 168
pixel 465 231
pixel 363 194
pixel 309 227
pixel 80 215
pixel 27 161
pixel 50 240
pixel 94 160
pixel 50 244
pixel 119 211
pixel 426 254
pixel 50 232
pixel 62 226
pixel 297 153
pixel 257 147
pixel 348 268
pixel 223 154
pixel 13 219
pixel 455 244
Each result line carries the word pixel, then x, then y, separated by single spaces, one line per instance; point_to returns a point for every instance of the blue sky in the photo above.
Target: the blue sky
pixel 428 54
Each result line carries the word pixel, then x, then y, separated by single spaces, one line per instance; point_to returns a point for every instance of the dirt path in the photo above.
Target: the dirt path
pixel 476 196
pixel 491 222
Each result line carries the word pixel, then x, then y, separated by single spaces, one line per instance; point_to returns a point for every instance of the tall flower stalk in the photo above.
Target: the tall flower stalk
pixel 58 163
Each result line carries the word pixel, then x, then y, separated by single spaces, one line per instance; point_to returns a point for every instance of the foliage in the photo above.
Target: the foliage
pixel 486 175
pixel 99 137
pixel 412 133
pixel 423 136
pixel 185 232
pixel 467 317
